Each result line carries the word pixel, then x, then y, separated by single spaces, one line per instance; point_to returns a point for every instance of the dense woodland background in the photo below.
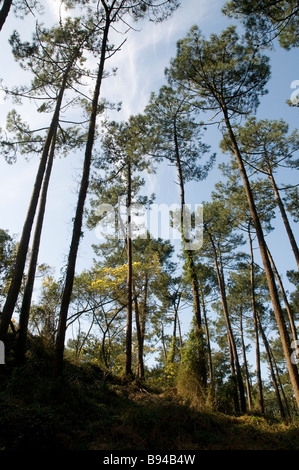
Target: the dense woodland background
pixel 211 329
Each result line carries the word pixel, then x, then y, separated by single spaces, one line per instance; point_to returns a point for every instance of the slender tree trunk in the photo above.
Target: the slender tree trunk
pixel 173 342
pixel 284 217
pixel 280 384
pixel 233 377
pixel 191 267
pixel 245 363
pixel 140 365
pixel 233 343
pixel 26 304
pixel 143 317
pixel 256 335
pixel 163 344
pixel 292 368
pixel 4 12
pixel 274 381
pixel 180 336
pixel 211 376
pixel 17 276
pixel 221 283
pixel 128 361
pixel 78 221
pixel 284 297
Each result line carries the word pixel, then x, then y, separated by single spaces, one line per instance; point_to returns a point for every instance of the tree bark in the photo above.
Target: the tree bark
pixel 245 363
pixel 211 375
pixel 173 342
pixel 128 361
pixel 284 217
pixel 26 304
pixel 4 12
pixel 191 266
pixel 78 221
pixel 235 394
pixel 221 283
pixel 256 335
pixel 140 365
pixel 274 381
pixel 292 368
pixel 284 297
pixel 17 277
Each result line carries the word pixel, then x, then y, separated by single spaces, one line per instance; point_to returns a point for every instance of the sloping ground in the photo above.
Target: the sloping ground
pixel 86 411
pixel 160 422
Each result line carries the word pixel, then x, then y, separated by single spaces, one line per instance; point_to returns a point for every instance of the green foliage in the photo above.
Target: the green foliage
pixel 173 133
pixel 7 256
pixel 189 379
pixel 266 145
pixel 224 72
pixel 265 20
pixel 292 203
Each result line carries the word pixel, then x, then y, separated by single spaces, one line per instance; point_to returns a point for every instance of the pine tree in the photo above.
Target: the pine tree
pixel 228 76
pixel 266 147
pixel 111 12
pixel 122 161
pixel 175 136
pixel 55 68
pixel 21 7
pixel 266 20
pixel 219 242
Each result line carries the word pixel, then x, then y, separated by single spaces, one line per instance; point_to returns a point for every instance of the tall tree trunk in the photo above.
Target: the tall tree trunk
pixel 286 302
pixel 233 343
pixel 163 344
pixel 26 304
pixel 280 384
pixel 140 365
pixel 245 363
pixel 173 342
pixel 221 284
pixel 191 267
pixel 4 12
pixel 203 303
pixel 180 337
pixel 233 377
pixel 256 335
pixel 284 217
pixel 274 381
pixel 17 276
pixel 285 339
pixel 78 221
pixel 143 317
pixel 128 361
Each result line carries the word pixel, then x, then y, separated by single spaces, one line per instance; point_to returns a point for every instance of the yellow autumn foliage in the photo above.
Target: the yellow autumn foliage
pixel 114 278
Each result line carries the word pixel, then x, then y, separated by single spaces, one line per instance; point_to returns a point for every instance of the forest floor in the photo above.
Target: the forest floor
pixel 86 410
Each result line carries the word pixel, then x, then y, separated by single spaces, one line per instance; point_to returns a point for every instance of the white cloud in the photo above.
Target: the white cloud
pixel 56 9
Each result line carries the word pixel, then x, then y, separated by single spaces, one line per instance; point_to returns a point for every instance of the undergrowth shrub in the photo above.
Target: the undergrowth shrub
pixel 190 384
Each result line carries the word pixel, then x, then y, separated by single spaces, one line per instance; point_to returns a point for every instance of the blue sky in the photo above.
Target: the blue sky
pixel 141 64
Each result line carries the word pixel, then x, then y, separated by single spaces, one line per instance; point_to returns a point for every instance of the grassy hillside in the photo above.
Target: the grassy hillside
pixel 89 411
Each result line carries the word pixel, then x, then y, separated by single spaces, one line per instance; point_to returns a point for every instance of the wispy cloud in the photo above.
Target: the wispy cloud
pixel 146 54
